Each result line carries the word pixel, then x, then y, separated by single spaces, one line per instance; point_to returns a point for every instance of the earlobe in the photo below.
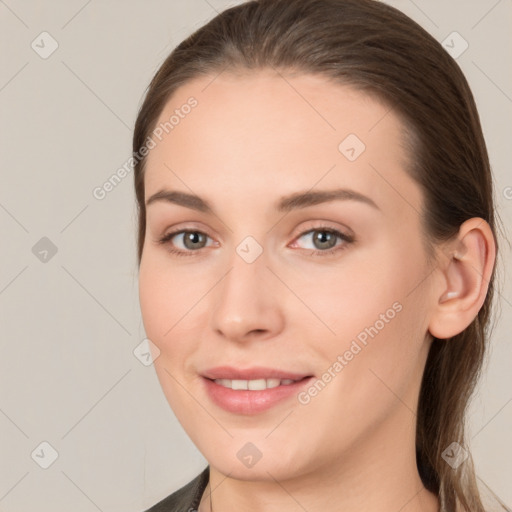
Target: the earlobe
pixel 464 279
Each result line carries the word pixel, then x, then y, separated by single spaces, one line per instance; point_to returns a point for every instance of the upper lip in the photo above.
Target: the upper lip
pixel 253 373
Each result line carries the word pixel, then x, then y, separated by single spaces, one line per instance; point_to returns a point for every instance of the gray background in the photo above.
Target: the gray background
pixel 70 323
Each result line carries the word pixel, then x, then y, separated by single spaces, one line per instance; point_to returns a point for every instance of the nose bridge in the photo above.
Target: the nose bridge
pixel 243 301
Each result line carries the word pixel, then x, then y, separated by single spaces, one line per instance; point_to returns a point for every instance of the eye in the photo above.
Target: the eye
pixel 191 240
pixel 324 240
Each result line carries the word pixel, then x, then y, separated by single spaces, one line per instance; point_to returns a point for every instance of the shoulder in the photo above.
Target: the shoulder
pixel 185 499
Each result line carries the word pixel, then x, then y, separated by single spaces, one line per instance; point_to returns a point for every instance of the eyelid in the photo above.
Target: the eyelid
pixel 322 224
pixel 316 224
pixel 170 233
pixel 345 234
pixel 179 227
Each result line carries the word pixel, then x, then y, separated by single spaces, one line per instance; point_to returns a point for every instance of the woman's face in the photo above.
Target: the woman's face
pixel 280 277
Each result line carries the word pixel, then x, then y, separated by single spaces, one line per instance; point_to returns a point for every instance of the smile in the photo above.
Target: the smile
pixel 253 396
pixel 253 385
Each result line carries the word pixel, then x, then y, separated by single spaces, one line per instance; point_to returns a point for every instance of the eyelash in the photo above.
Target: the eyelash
pixel 348 239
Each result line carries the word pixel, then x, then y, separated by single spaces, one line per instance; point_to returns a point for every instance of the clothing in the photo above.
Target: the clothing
pixel 187 498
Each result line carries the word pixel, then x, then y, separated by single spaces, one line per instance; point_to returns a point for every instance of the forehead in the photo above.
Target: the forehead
pixel 264 131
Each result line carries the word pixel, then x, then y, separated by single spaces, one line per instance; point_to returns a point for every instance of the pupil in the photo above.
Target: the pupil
pixel 323 237
pixel 193 238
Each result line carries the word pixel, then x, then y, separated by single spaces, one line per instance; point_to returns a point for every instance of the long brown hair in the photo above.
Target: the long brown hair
pixel 379 50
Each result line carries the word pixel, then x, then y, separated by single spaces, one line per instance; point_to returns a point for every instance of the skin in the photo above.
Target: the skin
pixel 252 139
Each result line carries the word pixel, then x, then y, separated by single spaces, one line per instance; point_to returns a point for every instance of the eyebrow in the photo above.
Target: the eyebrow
pixel 288 203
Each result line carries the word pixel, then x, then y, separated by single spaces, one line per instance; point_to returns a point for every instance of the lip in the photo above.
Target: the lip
pixel 255 372
pixel 249 402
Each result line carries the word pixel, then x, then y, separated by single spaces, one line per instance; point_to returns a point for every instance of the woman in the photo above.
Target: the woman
pixel 317 250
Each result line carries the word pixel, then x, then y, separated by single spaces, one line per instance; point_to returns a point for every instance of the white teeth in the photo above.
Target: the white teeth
pixel 273 383
pixel 257 385
pixel 254 385
pixel 239 384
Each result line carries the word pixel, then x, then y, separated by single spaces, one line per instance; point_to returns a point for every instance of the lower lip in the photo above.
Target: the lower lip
pixel 244 401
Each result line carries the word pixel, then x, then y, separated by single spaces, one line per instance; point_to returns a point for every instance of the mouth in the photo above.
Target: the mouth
pixel 254 390
pixel 255 384
pixel 256 373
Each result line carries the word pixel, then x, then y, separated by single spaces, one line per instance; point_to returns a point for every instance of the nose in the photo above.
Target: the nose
pixel 246 302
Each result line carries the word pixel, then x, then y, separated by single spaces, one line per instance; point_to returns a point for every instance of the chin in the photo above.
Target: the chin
pixel 257 460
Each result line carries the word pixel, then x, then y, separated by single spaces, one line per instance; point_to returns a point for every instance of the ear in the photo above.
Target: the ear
pixel 464 279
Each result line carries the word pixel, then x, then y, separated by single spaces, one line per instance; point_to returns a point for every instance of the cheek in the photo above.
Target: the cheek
pixel 374 378
pixel 152 303
pixel 359 295
pixel 171 308
pixel 379 317
pixel 159 302
pixel 161 305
